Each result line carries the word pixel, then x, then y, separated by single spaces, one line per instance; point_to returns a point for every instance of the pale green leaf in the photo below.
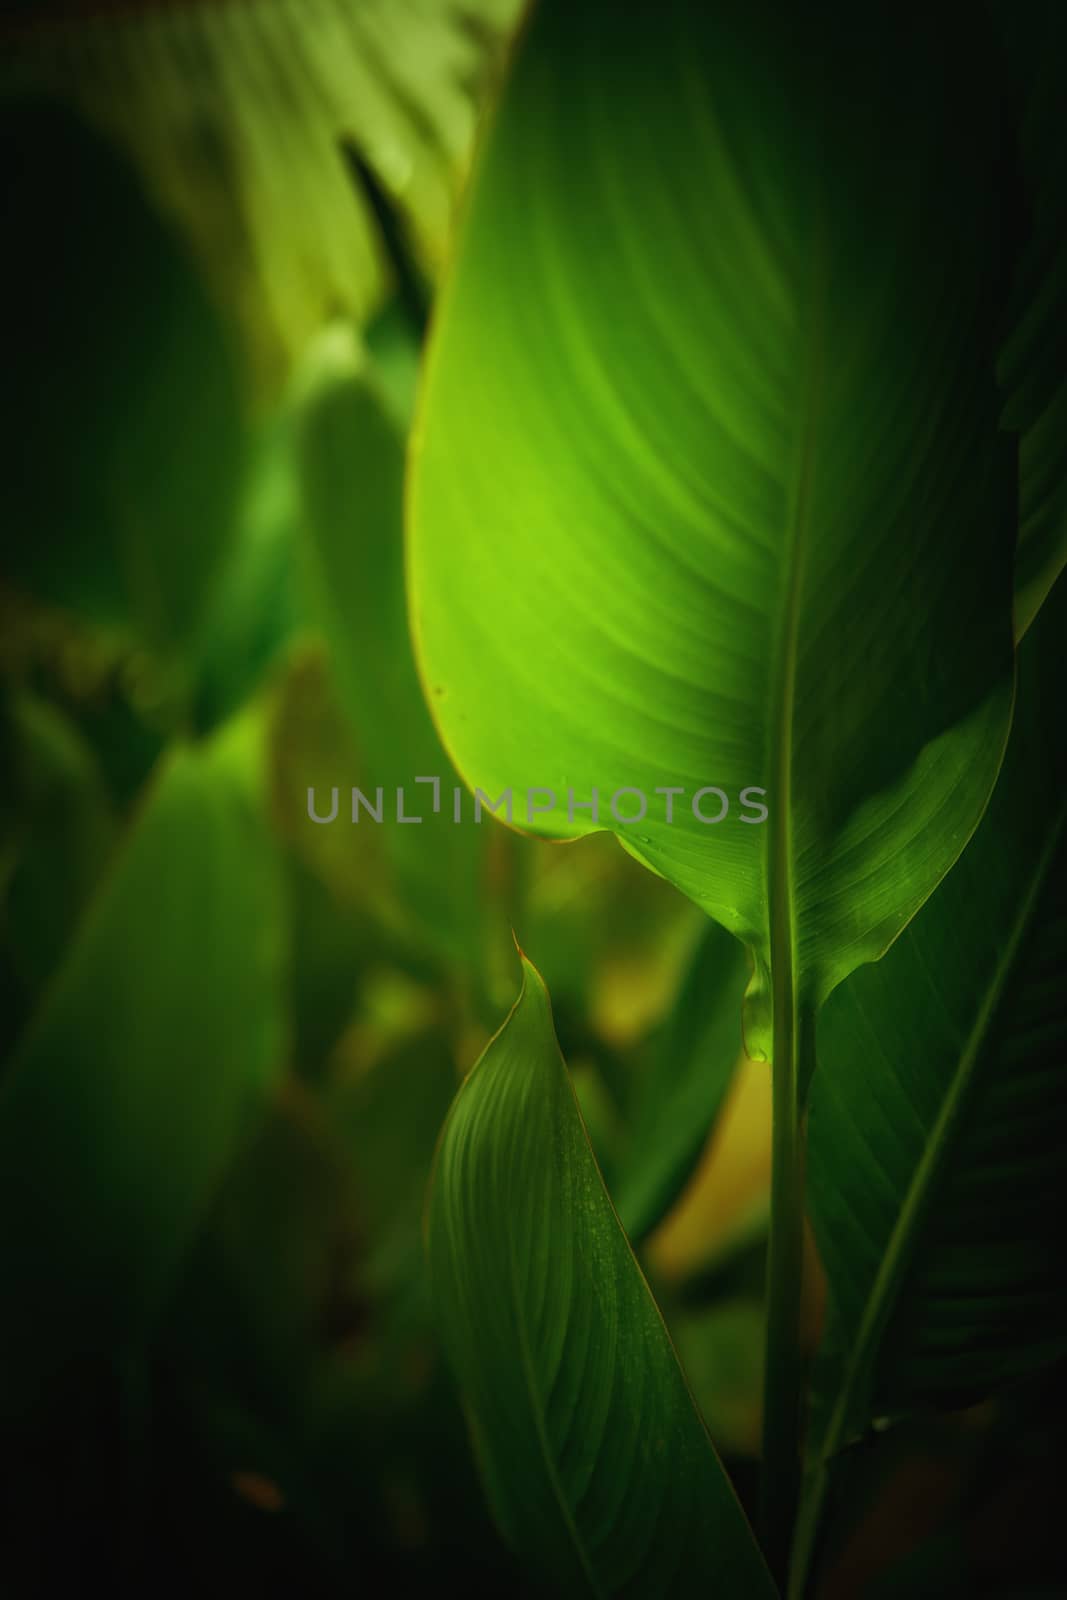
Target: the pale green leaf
pixel 237 114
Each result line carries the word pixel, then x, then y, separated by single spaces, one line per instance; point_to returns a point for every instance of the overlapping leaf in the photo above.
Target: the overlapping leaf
pixel 938 1120
pixel 236 116
pixel 1034 359
pixel 153 1049
pixel 351 457
pixel 595 1460
pixel 708 488
pixel 259 600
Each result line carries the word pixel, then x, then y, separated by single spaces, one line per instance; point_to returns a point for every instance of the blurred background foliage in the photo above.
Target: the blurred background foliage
pixel 230 1036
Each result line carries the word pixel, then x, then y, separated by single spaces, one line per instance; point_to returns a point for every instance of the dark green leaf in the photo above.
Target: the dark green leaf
pixel 236 120
pixel 259 602
pixel 596 1462
pixel 351 472
pixel 62 829
pixel 938 1117
pixel 150 1056
pixel 123 429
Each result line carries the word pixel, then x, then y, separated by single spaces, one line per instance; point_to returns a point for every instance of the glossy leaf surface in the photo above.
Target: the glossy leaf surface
pixel 708 488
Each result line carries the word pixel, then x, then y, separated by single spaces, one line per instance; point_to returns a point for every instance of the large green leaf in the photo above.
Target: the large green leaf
pixel 156 1044
pixel 708 488
pixel 938 1113
pixel 123 427
pixel 597 1465
pixel 1033 364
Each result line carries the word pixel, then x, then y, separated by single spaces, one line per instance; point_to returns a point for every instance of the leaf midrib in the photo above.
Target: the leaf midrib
pixel 517 1305
pixel 782 929
pixel 783 1367
pixel 544 1443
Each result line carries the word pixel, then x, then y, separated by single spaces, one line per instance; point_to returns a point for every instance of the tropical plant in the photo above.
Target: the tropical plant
pixel 719 515
pixel 748 524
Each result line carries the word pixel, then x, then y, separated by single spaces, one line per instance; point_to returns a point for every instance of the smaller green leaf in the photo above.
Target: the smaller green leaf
pixel 394 345
pixel 351 466
pixel 595 1459
pixel 153 1051
pixel 259 602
